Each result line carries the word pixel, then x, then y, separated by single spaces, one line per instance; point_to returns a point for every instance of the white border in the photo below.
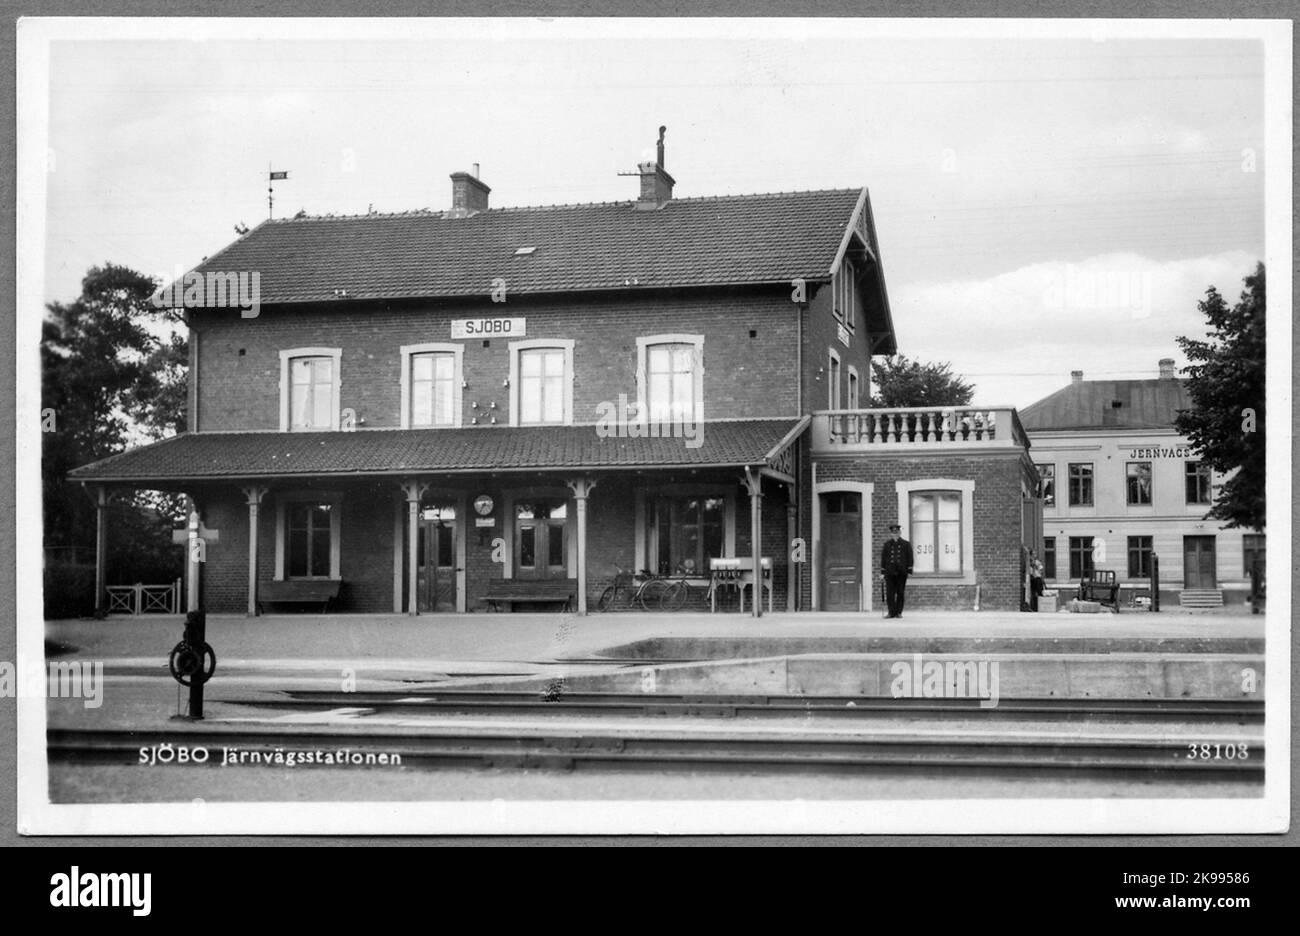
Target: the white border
pixel 1269 814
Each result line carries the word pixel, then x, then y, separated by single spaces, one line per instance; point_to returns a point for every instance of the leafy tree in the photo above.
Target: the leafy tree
pixel 897 381
pixel 1226 384
pixel 112 373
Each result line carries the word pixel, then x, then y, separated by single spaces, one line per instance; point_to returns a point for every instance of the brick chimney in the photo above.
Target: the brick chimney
pixel 1167 368
pixel 1076 376
pixel 469 195
pixel 656 183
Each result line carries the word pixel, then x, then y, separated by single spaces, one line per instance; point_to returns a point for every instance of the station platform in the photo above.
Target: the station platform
pixel 406 640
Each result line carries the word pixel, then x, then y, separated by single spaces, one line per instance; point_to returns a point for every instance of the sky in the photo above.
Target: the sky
pixel 1043 204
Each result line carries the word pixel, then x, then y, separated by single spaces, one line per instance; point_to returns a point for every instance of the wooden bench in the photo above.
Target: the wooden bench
pixel 1100 587
pixel 510 592
pixel 298 591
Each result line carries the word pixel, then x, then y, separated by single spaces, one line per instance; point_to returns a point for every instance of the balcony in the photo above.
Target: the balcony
pixel 918 429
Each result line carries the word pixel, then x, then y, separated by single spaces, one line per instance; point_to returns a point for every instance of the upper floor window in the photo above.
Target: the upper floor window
pixel 1198 482
pixel 1081 484
pixel 309 389
pixel 1138 483
pixel 431 385
pixel 833 381
pixel 846 295
pixel 541 382
pixel 854 388
pixel 1047 483
pixel 670 372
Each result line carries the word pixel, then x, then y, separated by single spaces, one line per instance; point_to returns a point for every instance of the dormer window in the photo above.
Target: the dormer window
pixel 525 251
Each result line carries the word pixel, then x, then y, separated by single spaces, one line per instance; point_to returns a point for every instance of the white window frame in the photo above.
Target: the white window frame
pixel 904 491
pixel 335 500
pixel 287 357
pixel 643 346
pixel 854 389
pixel 833 367
pixel 458 379
pixel 529 344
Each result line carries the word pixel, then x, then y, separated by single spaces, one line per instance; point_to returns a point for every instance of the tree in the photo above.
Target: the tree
pixel 898 382
pixel 112 370
pixel 1226 384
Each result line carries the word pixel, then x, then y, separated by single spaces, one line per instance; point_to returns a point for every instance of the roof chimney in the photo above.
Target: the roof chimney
pixel 469 196
pixel 1076 376
pixel 1167 368
pixel 656 183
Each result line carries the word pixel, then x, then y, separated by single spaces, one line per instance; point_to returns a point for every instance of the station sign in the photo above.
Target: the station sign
pixel 488 328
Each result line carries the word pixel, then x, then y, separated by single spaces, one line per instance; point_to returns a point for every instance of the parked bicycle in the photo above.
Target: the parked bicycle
pixel 635 588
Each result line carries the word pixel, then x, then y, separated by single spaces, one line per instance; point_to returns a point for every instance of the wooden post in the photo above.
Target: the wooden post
pixel 582 488
pixel 254 494
pixel 754 484
pixel 413 490
pixel 102 498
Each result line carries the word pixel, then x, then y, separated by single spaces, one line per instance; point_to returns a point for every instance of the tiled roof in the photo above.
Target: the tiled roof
pixel 237 455
pixel 727 240
pixel 1089 404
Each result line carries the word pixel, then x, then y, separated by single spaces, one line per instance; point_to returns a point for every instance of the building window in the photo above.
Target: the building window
pixel 670 378
pixel 1198 482
pixel 541 382
pixel 1138 483
pixel 431 385
pixel 846 295
pixel 1080 556
pixel 1081 484
pixel 1047 484
pixel 686 532
pixel 935 530
pixel 1049 557
pixel 309 389
pixel 1139 557
pixel 833 380
pixel 854 392
pixel 308 546
pixel 1252 551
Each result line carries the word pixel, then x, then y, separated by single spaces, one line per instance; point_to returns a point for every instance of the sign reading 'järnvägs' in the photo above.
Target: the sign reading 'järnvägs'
pixel 1180 451
pixel 487 328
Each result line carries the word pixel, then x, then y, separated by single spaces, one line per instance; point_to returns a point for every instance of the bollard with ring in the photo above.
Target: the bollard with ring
pixel 193 661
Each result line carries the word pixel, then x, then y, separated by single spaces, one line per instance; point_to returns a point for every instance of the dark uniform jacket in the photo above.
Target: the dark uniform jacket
pixel 897 557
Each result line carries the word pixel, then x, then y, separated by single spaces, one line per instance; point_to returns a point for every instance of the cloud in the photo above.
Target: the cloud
pixel 1018 335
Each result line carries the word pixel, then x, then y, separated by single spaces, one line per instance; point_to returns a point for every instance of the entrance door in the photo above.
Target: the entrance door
pixel 1198 562
pixel 436 559
pixel 841 550
pixel 541 544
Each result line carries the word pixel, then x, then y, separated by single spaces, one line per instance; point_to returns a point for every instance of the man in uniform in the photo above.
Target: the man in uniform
pixel 895 565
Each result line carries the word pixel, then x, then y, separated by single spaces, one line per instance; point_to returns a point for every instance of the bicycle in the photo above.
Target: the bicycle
pixel 649 591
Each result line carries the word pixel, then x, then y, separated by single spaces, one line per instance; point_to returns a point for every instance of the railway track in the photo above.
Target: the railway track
pixel 496 730
pixel 560 702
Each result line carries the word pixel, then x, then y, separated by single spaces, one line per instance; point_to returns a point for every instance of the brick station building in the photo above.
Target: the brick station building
pixel 422 406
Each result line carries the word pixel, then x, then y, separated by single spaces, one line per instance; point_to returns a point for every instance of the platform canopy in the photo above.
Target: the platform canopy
pixel 763 444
